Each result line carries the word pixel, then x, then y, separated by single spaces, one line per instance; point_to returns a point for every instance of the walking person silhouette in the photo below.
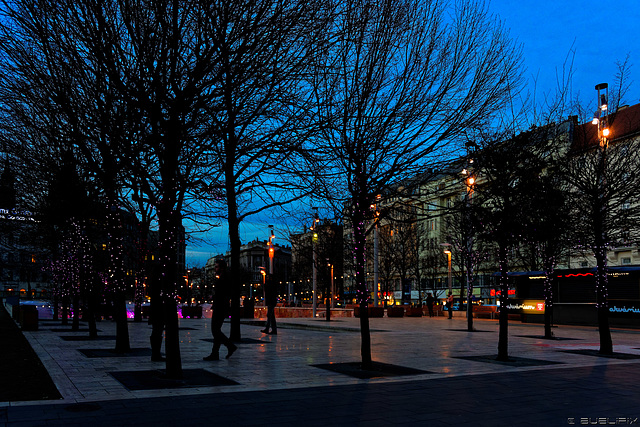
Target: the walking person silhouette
pixel 271 299
pixel 220 309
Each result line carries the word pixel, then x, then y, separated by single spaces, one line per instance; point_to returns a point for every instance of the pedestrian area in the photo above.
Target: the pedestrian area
pixel 427 369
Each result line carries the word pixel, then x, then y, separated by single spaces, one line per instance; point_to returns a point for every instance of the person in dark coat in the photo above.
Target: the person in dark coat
pixel 220 312
pixel 271 299
pixel 430 304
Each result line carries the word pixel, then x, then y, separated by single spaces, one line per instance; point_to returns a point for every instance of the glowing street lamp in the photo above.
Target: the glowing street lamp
pixel 314 238
pixel 448 253
pixel 601 114
pixel 271 249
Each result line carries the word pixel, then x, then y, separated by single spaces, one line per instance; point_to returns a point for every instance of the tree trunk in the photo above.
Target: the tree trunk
pixel 503 340
pixel 602 305
pixel 601 221
pixel 137 300
pixel 234 269
pixel 548 302
pixel 172 338
pixel 359 240
pixel 169 224
pixel 117 277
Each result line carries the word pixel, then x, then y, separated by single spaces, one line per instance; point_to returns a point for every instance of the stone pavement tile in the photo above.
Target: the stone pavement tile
pixel 282 368
pixel 360 402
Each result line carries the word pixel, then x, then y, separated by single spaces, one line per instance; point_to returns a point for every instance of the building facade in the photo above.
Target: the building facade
pixel 420 240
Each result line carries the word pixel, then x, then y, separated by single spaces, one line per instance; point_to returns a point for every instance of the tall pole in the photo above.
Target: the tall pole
pixel 315 280
pixel 449 278
pixel 376 269
pixel 469 261
pixel 271 249
pixel 314 230
pixel 333 289
pixel 602 304
pixel 448 252
pixel 329 288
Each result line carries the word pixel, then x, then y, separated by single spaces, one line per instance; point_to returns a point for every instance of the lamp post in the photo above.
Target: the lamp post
pixel 314 236
pixel 333 289
pixel 469 181
pixel 601 119
pixel 271 249
pixel 264 283
pixel 447 252
pixel 376 265
pixel 329 292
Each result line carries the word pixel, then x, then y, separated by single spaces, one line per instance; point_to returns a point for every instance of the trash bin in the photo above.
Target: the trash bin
pixel 29 317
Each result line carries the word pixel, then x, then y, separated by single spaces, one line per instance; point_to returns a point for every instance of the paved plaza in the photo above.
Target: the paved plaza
pixel 431 372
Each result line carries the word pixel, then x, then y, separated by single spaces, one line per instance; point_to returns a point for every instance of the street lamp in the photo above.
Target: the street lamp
pixel 606 345
pixel 262 285
pixel 470 181
pixel 333 289
pixel 447 251
pixel 601 115
pixel 329 292
pixel 271 250
pixel 314 237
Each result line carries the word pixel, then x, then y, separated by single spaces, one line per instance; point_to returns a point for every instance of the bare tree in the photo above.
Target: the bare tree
pixel 606 205
pixel 498 210
pixel 62 76
pixel 260 113
pixel 521 206
pixel 547 233
pixel 397 83
pixel 170 65
pixel 130 84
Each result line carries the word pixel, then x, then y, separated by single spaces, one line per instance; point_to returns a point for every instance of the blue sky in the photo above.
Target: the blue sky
pixel 595 34
pixel 600 33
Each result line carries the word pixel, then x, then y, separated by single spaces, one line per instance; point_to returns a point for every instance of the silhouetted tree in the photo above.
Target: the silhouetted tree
pixel 395 84
pixel 500 207
pixel 260 113
pixel 603 192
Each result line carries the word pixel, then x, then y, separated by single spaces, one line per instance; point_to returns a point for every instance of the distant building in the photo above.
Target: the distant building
pixel 22 256
pixel 254 260
pixel 417 223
